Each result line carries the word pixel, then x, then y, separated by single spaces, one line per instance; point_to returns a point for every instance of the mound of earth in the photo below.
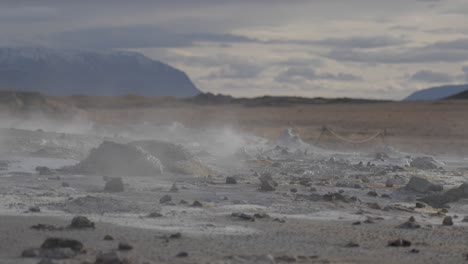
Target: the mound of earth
pixel 115 159
pixel 139 158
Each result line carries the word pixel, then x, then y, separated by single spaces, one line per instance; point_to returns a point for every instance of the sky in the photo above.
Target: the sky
pixel 330 48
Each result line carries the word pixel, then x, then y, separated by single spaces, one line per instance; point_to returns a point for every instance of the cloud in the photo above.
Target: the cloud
pixel 236 71
pixel 465 70
pixel 428 54
pixel 301 74
pixel 361 42
pixel 140 36
pixel 431 77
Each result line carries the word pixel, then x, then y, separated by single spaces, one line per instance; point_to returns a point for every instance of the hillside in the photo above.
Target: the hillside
pixel 436 93
pixel 460 96
pixel 71 72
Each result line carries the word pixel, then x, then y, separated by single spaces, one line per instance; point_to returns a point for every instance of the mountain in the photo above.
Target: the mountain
pixel 70 72
pixel 460 96
pixel 437 93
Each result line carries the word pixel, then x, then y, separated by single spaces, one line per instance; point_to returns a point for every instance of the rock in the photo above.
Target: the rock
pixel 293 190
pixel 65 184
pixel 276 164
pixel 450 196
pixel 243 216
pixel 420 205
pixel 352 245
pixel 410 224
pixel 333 197
pixel 110 258
pixel 389 183
pixel 372 194
pixel 46 261
pixel 165 199
pixel 108 238
pixel 267 184
pixel 414 251
pixel 426 163
pixel 42 170
pixel 174 188
pixel 197 204
pixel 284 259
pixel 46 227
pixel 465 219
pixel 448 221
pixel 51 243
pixel 81 222
pixel 34 209
pixel 124 246
pixel 374 206
pixel 154 215
pixel 114 185
pixel 231 180
pixel 421 185
pixel 399 243
pixel 182 254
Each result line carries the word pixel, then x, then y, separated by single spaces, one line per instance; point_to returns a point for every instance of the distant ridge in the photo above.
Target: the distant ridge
pixel 72 72
pixel 437 93
pixel 459 96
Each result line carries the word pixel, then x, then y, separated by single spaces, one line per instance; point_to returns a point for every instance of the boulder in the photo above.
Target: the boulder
pixel 450 196
pixel 114 185
pixel 81 222
pixel 425 163
pixel 422 185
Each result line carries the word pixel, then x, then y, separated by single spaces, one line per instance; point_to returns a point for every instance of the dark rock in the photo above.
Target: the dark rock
pixel 389 183
pixel 81 222
pixel 293 190
pixel 183 202
pixel 110 258
pixel 243 216
pixel 420 205
pixel 175 235
pixel 46 227
pixel 51 243
pixel 124 246
pixel 465 219
pixel 372 194
pixel 65 184
pixel 357 223
pixel 285 259
pixel 276 164
pixel 448 221
pixel 154 215
pixel 399 243
pixel 197 204
pixel 410 224
pixel 421 185
pixel 165 199
pixel 334 197
pixel 231 180
pixel 374 206
pixel 450 196
pixel 425 163
pixel 108 238
pixel 267 184
pixel 352 244
pixel 34 209
pixel 42 170
pixel 114 185
pixel 46 261
pixel 174 188
pixel 261 215
pixel 182 254
pixel 414 251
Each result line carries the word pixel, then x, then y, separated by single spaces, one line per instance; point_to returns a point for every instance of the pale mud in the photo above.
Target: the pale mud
pixel 302 224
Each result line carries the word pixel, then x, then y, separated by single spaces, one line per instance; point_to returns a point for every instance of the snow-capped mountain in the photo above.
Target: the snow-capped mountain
pixel 69 72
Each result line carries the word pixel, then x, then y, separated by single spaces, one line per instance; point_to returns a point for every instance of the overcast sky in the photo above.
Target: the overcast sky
pixel 354 48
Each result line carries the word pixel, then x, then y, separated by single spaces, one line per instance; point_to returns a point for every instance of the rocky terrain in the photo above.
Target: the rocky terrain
pixel 175 194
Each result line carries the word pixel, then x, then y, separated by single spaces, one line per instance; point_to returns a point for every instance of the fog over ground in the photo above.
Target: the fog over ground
pixel 357 48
